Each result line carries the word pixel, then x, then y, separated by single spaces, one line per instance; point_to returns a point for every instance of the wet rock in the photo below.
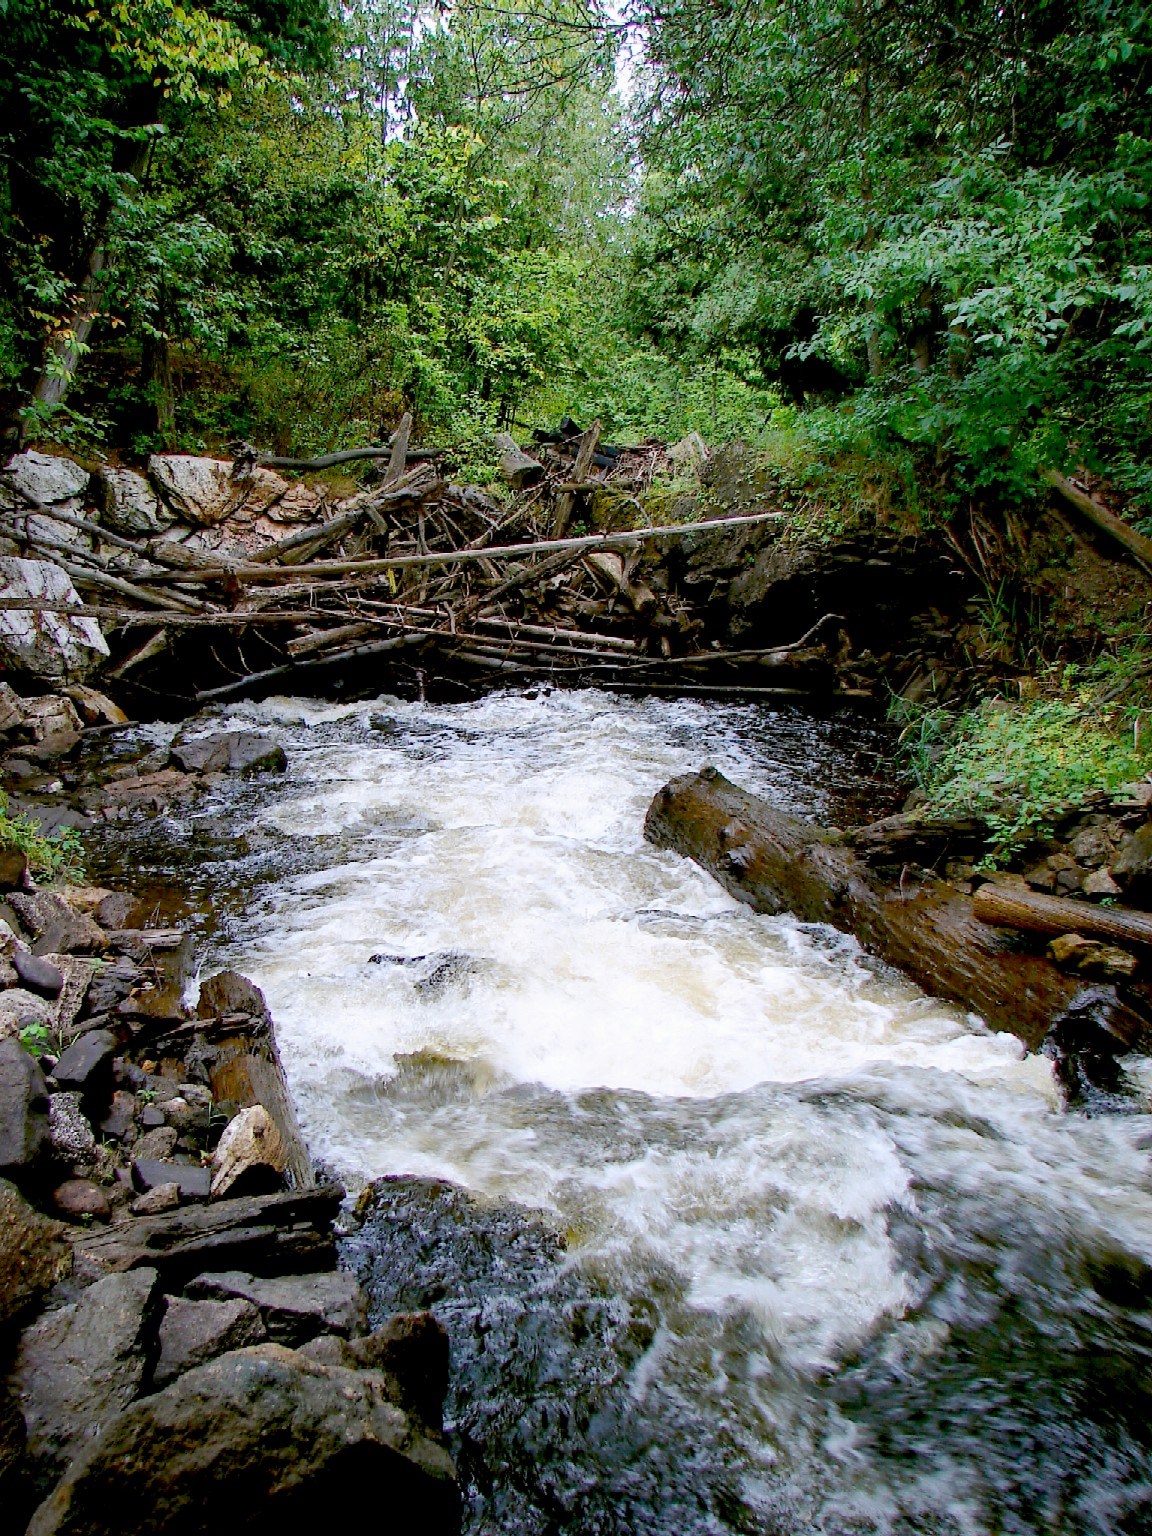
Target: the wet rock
pixel 112 985
pixel 260 1438
pixel 24 1133
pixel 58 927
pixel 72 1137
pixel 266 1235
pixel 251 1156
pixel 1088 957
pixel 34 1253
pixel 229 992
pixel 77 1367
pixel 81 1199
pixel 295 1308
pixel 1132 866
pixel 162 1197
pixel 21 1010
pixel 37 974
pixel 231 752
pixel 193 1182
pixel 86 1066
pixel 129 505
pixel 158 1144
pixel 32 720
pixel 412 1347
pixel 60 646
pixel 194 1332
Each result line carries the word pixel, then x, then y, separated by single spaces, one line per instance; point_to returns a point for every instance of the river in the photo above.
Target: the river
pixel 813 1252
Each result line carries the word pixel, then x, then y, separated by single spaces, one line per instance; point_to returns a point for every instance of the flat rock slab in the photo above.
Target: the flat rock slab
pixel 86 1066
pixel 194 1332
pixel 79 1366
pixel 59 646
pixel 34 1253
pixel 193 1183
pixel 43 476
pixel 262 1438
pixel 295 1308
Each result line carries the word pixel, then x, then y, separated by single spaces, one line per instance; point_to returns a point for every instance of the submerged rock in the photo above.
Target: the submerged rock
pixel 230 752
pixel 260 1438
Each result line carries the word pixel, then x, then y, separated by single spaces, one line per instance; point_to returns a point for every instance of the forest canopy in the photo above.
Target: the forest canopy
pixel 914 231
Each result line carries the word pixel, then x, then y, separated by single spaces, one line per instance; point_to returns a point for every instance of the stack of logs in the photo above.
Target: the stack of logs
pixel 421 569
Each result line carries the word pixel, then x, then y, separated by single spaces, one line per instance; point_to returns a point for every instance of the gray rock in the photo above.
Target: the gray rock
pixel 230 752
pixel 72 1137
pixel 20 1010
pixel 1132 866
pixel 261 1438
pixel 121 1117
pixel 194 1183
pixel 413 1348
pixel 158 1144
pixel 23 1109
pixel 86 1066
pixel 59 928
pixel 158 1199
pixel 295 1308
pixel 205 491
pixel 34 1253
pixel 37 974
pixel 59 646
pixel 194 1332
pixel 42 476
pixel 129 505
pixel 78 1199
pixel 79 1366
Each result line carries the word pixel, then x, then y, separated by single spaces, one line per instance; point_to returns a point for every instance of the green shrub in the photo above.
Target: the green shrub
pixel 58 854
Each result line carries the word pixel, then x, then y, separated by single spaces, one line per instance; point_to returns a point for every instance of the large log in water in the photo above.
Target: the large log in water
pixel 775 863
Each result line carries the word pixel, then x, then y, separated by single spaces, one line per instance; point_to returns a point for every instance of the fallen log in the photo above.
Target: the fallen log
pixel 1008 906
pixel 517 467
pixel 776 863
pixel 1102 517
pixel 566 502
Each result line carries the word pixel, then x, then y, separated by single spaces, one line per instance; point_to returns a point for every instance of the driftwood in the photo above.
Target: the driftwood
pixel 519 468
pixel 775 863
pixel 1008 906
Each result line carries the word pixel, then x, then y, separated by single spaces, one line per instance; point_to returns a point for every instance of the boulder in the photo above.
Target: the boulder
pixel 23 1109
pixel 204 492
pixel 72 1137
pixel 129 505
pixel 80 1200
pixel 21 1010
pixel 1132 866
pixel 36 719
pixel 413 1348
pixel 250 1157
pixel 44 477
pixel 86 1066
pixel 77 1367
pixel 57 926
pixel 34 1253
pixel 194 1332
pixel 295 1308
pixel 230 752
pixel 59 646
pixel 261 1438
pixel 229 992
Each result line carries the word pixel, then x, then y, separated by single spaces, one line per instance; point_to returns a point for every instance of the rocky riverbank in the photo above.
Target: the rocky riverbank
pixel 180 1349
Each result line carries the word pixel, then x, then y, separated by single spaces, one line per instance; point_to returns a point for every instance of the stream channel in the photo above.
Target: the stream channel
pixel 732 1230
